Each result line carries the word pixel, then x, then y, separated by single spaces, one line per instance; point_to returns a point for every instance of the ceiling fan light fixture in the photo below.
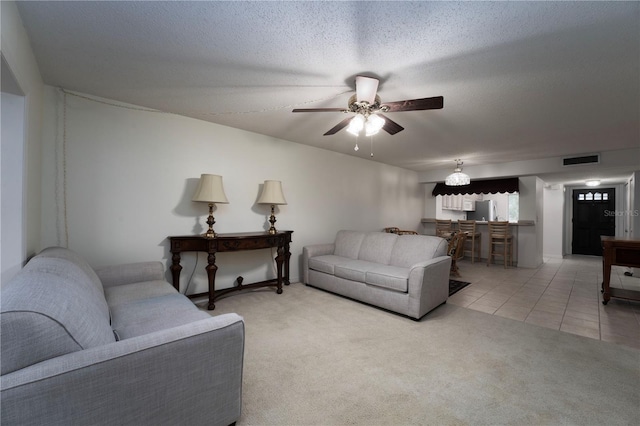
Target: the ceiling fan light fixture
pixel 356 124
pixel 366 88
pixel 457 178
pixel 373 125
pixel 365 103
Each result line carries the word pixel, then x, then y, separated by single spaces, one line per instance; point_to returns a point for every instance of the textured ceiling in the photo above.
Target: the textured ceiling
pixel 520 80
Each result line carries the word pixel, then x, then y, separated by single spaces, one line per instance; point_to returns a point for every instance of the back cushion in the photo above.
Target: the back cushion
pixel 49 309
pixel 65 253
pixel 377 247
pixel 348 244
pixel 411 249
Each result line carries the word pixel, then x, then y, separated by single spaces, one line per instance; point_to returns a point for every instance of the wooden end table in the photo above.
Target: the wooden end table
pixel 229 243
pixel 622 252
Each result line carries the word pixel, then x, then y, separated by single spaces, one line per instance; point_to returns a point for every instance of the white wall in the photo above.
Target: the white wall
pixel 20 61
pixel 430 202
pixel 12 229
pixel 528 200
pixel 530 238
pixel 130 176
pixel 553 198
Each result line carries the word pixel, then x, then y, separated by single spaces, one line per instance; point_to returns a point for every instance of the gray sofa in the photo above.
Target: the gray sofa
pixel 113 346
pixel 406 274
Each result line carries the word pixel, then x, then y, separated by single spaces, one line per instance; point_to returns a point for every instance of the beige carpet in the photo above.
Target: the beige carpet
pixel 314 358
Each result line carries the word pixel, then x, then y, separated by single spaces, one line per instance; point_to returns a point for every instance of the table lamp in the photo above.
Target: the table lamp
pixel 272 194
pixel 210 191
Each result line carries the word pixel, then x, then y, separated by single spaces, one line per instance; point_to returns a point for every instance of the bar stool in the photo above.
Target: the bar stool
pixel 473 238
pixel 443 228
pixel 500 242
pixel 456 250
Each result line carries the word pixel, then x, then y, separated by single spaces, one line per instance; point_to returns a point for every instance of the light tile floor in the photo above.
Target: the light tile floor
pixel 562 294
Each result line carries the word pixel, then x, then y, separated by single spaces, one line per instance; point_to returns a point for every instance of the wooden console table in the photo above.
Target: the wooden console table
pixel 232 242
pixel 622 252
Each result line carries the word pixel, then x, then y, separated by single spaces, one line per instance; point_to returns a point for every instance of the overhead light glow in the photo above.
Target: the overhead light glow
pixel 373 125
pixel 592 182
pixel 356 124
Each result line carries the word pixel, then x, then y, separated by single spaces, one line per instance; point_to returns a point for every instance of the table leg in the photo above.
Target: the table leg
pixel 606 281
pixel 175 270
pixel 287 257
pixel 211 275
pixel 279 266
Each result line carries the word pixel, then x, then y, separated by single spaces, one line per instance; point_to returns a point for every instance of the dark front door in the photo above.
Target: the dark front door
pixel 593 215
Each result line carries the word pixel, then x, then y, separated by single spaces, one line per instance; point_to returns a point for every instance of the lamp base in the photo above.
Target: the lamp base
pixel 209 234
pixel 272 221
pixel 210 221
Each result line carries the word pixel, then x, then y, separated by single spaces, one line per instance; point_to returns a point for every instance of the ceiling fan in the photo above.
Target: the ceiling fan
pixel 367 106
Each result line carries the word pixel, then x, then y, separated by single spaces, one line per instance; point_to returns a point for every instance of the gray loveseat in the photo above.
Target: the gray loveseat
pixel 406 274
pixel 114 346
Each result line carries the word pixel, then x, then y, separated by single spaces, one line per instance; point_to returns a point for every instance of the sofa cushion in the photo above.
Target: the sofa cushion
pixel 147 315
pixel 327 263
pixel 389 277
pixel 128 273
pixel 49 309
pixel 411 249
pixel 348 243
pixel 354 270
pixel 68 269
pixel 377 246
pixel 127 293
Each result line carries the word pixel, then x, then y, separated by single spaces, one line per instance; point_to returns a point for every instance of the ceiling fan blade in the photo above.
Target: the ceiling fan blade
pixel 341 125
pixel 366 88
pixel 391 126
pixel 436 102
pixel 320 110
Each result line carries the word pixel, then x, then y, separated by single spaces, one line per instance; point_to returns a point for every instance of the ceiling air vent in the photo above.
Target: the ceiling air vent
pixel 585 159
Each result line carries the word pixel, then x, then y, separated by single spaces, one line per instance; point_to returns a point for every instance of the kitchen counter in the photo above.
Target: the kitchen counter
pixel 523 232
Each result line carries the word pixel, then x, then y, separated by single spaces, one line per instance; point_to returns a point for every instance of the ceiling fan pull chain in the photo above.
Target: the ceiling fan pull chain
pixel 356 148
pixel 371 146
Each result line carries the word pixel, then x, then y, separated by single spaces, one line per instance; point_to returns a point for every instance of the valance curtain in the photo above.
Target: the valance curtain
pixel 489 186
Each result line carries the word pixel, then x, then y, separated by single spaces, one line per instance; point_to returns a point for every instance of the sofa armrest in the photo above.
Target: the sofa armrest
pixel 311 251
pixel 429 284
pixel 130 273
pixel 191 374
pixel 318 249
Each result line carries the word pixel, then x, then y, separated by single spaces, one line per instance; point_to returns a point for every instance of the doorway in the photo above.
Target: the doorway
pixel 593 216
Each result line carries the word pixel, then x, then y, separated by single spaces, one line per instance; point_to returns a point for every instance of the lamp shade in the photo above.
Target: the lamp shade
pixel 457 178
pixel 373 125
pixel 356 124
pixel 272 193
pixel 210 190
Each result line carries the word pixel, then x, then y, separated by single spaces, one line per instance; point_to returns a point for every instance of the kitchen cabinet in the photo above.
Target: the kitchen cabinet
pixel 460 202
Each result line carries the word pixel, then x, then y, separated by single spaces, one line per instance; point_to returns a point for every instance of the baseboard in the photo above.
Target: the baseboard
pixel 552 256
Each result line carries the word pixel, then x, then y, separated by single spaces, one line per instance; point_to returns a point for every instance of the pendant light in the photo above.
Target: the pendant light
pixel 457 178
